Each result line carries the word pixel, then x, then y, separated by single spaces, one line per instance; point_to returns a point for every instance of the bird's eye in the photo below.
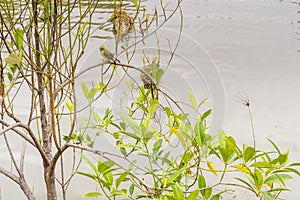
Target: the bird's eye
pixel 101 49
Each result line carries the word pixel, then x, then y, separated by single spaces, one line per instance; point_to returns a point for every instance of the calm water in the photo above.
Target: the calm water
pixel 254 45
pixel 227 47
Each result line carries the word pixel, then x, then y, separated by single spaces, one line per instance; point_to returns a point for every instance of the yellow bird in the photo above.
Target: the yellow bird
pixel 107 55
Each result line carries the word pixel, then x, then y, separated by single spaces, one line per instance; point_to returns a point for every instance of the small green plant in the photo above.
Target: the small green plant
pixel 178 159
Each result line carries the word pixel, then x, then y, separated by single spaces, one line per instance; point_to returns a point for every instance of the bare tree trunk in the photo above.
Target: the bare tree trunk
pixel 50 184
pixel 49 175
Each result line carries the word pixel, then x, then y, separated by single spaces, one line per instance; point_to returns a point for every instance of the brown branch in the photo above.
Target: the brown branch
pixel 20 181
pixel 103 155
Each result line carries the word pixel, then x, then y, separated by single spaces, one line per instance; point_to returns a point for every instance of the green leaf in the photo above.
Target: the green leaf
pixel 103 167
pixel 108 176
pixel 199 133
pixel 19 35
pixel 288 169
pixel 85 90
pixel 131 189
pixel 212 167
pixel 118 193
pixel 242 168
pixel 275 146
pixel 175 175
pixel 130 122
pixel 275 178
pixel 202 102
pixel 135 2
pixel 168 111
pixel 279 190
pixel 123 151
pixel 132 135
pixel 258 178
pixel 281 159
pixel 192 99
pixel 268 196
pixel 207 193
pixel 263 165
pixel 156 72
pixel 123 126
pixel 248 154
pixel 179 135
pixel 70 106
pixel 222 138
pixel 177 193
pixel 245 182
pixel 157 145
pixel 85 158
pixel 231 144
pixel 89 175
pixel 152 108
pixel 295 165
pixel 89 141
pixel 121 179
pixel 92 194
pixel 12 59
pixel 193 195
pixel 205 115
pixel 10 76
pixel 201 181
pixel 215 197
pixel 92 93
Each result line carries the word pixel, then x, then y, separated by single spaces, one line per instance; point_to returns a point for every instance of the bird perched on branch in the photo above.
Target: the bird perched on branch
pixel 151 76
pixel 107 55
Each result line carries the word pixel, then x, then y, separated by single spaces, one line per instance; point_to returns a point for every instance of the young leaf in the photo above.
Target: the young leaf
pixel 92 194
pixel 193 195
pixel 179 135
pixel 176 174
pixel 211 167
pixel 108 176
pixel 268 196
pixel 130 122
pixel 177 193
pixel 103 167
pixel 242 168
pixel 19 35
pixel 216 197
pixel 157 145
pixel 85 90
pixel 136 3
pixel 276 178
pixel 205 115
pixel 248 154
pixel 88 161
pixel 192 99
pixel 258 178
pixel 89 175
pixel 207 193
pixel 152 108
pixel 201 182
pixel 121 179
pixel 12 59
pixel 131 189
pixel 70 106
pixel 275 146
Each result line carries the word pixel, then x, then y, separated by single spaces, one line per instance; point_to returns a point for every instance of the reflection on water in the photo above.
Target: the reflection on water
pixel 17 12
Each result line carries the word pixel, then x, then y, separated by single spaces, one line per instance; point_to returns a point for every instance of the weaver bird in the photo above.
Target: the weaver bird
pixel 147 81
pixel 107 55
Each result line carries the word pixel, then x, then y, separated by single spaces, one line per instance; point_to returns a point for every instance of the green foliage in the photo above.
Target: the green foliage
pixel 184 175
pixel 19 34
